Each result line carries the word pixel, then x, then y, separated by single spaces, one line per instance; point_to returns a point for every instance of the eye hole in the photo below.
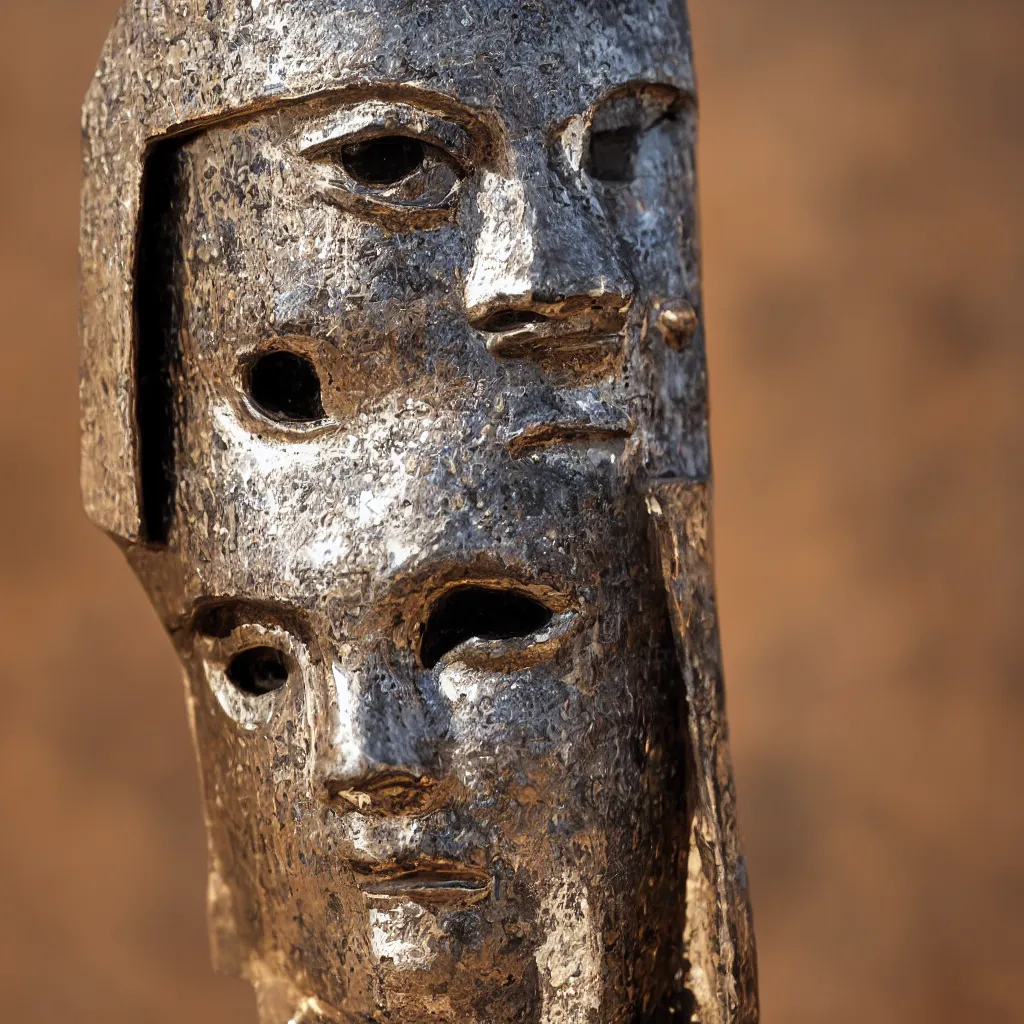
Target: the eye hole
pixel 383 161
pixel 613 154
pixel 286 387
pixel 259 671
pixel 481 612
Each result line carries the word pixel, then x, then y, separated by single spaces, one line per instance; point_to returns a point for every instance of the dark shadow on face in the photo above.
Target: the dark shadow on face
pixel 157 354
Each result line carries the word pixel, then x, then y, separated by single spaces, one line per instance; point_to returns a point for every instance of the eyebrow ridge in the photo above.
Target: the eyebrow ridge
pixel 332 126
pixel 218 617
pixel 682 98
pixel 478 123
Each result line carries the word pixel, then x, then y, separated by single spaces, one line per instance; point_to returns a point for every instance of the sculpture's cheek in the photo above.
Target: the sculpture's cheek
pixel 309 519
pixel 264 255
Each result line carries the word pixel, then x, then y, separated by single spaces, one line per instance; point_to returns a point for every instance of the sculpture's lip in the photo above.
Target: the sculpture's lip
pixel 546 435
pixel 429 882
pixel 530 343
pixel 565 416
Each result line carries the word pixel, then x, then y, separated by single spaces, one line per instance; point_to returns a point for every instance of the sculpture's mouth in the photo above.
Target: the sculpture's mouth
pixel 429 882
pixel 547 435
pixel 529 344
pixel 532 334
pixel 561 416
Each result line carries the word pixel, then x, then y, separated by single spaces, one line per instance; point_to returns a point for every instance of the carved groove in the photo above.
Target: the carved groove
pixel 156 350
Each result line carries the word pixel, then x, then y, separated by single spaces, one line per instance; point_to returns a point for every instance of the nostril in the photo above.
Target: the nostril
pixel 482 612
pixel 509 320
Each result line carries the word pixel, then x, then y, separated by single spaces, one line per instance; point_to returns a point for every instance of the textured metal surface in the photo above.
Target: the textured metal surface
pixel 389 450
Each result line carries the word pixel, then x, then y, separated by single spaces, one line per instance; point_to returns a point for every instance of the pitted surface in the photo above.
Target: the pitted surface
pixel 391 341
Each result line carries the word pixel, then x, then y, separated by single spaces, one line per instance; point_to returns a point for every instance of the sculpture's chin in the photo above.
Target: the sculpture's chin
pixel 483 963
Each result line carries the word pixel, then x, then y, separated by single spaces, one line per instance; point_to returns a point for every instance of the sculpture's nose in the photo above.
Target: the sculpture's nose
pixel 383 752
pixel 544 254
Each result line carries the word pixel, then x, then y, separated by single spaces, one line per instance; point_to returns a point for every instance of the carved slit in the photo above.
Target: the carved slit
pixel 156 355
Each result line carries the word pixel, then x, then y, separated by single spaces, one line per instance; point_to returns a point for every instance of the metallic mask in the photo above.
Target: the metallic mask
pixel 394 395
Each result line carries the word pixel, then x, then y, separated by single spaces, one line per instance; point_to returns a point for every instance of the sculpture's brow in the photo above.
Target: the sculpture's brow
pixel 443 105
pixel 672 96
pixel 219 617
pixel 435 104
pixel 355 118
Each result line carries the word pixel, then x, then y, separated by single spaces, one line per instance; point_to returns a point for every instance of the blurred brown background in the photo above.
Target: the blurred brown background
pixel 863 217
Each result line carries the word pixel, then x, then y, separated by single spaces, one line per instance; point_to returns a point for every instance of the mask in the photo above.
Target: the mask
pixel 394 394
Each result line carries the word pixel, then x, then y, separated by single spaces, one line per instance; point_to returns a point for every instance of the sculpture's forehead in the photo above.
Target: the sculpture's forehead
pixel 537 60
pixel 544 53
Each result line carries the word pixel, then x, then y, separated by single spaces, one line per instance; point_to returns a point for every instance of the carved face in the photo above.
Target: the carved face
pixel 415 395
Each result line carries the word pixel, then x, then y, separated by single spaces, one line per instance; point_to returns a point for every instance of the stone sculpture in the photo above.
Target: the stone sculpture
pixel 394 396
